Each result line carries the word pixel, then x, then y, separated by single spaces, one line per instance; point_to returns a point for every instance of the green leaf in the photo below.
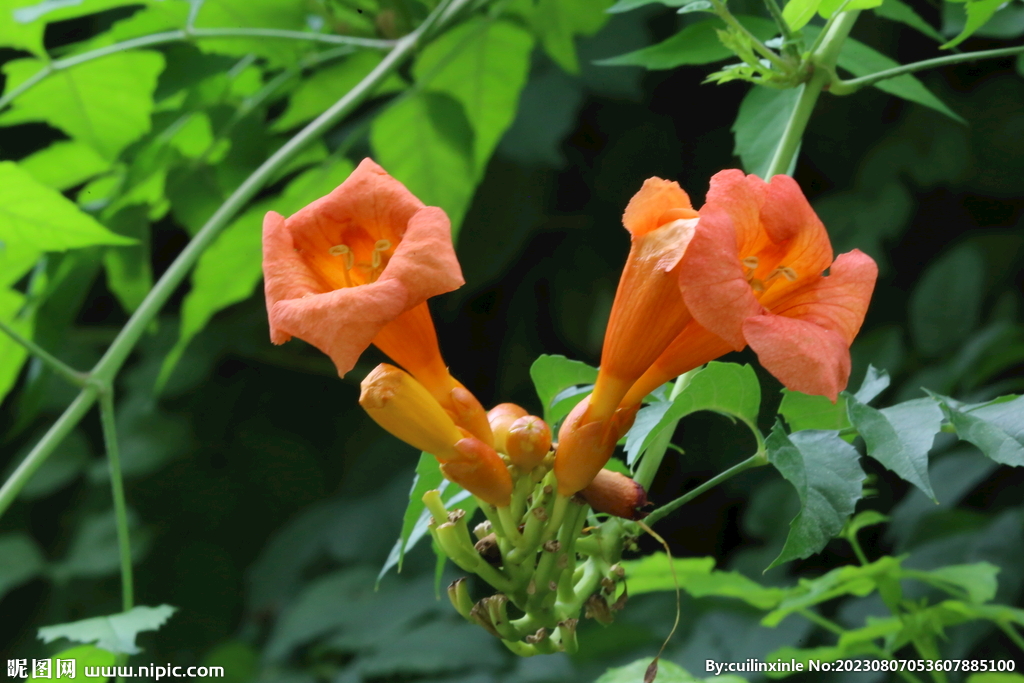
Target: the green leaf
pixel 875 382
pixel 896 10
pixel 862 520
pixel 230 269
pixel 627 5
pixel 827 477
pixel 482 64
pixel 697 43
pixel 552 375
pixel 803 411
pixel 946 303
pixel 900 437
pixel 429 648
pixel 698 577
pixel 64 164
pixel 798 12
pixel 425 141
pixel 254 14
pixel 727 388
pixel 94 547
pixel 978 14
pixel 829 7
pixel 12 354
pixel 326 86
pixel 760 123
pixel 428 476
pixel 106 102
pixel 997 427
pixel 91 656
pixel 667 673
pixel 558 22
pixel 194 135
pixel 129 274
pixel 849 580
pixel 995 677
pixel 62 467
pixel 114 633
pixel 861 60
pixel 39 217
pixel 978 580
pixel 20 560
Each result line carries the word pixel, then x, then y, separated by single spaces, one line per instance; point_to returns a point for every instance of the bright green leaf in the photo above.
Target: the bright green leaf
pixel 558 22
pixel 798 12
pixel 829 7
pixel 91 656
pixel 978 14
pixel 12 354
pixel 193 136
pixel 946 302
pixel 326 86
pixel 900 437
pixel 849 580
pixel 64 164
pixel 978 580
pixel 627 5
pixel 862 520
pixel 698 577
pixel 760 123
pixel 995 677
pixel 803 411
pixel 667 673
pixel 39 217
pixel 20 560
pixel 426 143
pixel 114 633
pixel 483 64
pixel 106 102
pixel 827 477
pixel 896 10
pixel 552 375
pixel 428 476
pixel 997 428
pixel 254 14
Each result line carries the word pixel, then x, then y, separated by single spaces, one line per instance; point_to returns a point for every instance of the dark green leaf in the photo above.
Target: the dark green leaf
pixel 552 375
pixel 114 633
pixel 129 275
pixel 425 141
pixel 94 547
pixel 759 126
pixel 20 560
pixel 558 22
pixel 60 469
pixel 803 411
pixel 946 303
pixel 428 476
pixel 627 5
pixel 431 648
pixel 997 427
pixel 827 477
pixel 900 437
pixel 875 382
pixel 896 10
pixel 12 354
pixel 482 64
pixel 106 102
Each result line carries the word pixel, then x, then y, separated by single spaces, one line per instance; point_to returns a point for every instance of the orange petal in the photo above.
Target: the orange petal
pixel 788 219
pixel 424 261
pixel 481 471
pixel 803 356
pixel 645 210
pixel 501 417
pixel 285 274
pixel 529 440
pixel 584 445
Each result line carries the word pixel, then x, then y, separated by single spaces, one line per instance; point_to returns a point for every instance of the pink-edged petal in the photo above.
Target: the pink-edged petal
pixel 343 322
pixel 837 302
pixel 424 261
pixel 712 280
pixel 285 275
pixel 801 355
pixel 648 208
pixel 788 219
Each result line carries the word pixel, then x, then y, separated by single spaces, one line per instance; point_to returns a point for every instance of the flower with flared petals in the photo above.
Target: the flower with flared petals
pixel 404 407
pixel 753 274
pixel 355 268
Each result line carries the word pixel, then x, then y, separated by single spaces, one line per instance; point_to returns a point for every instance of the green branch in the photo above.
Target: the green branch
pixel 79 379
pixel 755 460
pixel 838 86
pixel 105 371
pixel 188 34
pixel 651 460
pixel 107 419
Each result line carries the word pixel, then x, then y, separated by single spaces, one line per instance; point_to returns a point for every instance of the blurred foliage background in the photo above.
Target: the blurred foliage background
pixel 264 501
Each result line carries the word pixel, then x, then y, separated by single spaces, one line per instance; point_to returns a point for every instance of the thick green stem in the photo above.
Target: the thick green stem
pixel 840 87
pixel 651 460
pixel 111 362
pixel 79 379
pixel 107 419
pixel 823 61
pixel 755 460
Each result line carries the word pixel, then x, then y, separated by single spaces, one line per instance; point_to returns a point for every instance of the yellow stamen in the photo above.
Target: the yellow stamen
pixel 751 262
pixel 343 250
pixel 378 248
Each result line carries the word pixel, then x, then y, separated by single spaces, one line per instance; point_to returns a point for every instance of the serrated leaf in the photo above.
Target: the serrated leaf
pixel 39 217
pixel 827 476
pixel 20 560
pixel 64 164
pixel 997 427
pixel 114 633
pixel 698 577
pixel 896 10
pixel 558 22
pixel 105 103
pixel 727 388
pixel 482 64
pixel 552 375
pixel 900 437
pixel 760 123
pixel 804 411
pixel 326 86
pixel 425 141
pixel 978 14
pixel 946 302
pixel 697 43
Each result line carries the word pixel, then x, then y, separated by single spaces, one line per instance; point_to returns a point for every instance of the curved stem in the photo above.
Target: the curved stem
pixel 755 460
pixel 107 418
pixel 840 87
pixel 79 379
pixel 823 60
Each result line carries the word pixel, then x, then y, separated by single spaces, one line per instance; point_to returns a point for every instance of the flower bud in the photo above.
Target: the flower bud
pixel 501 418
pixel 584 445
pixel 480 470
pixel 458 593
pixel 470 415
pixel 616 494
pixel 528 441
pixel 404 407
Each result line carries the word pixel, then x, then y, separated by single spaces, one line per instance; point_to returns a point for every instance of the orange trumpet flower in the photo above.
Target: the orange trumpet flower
pixel 753 274
pixel 356 267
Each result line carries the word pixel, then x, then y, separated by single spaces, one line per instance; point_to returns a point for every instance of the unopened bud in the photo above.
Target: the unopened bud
pixel 470 415
pixel 501 418
pixel 404 407
pixel 616 494
pixel 584 445
pixel 528 441
pixel 479 470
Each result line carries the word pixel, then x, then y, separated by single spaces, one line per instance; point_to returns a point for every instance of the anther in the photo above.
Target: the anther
pixel 751 262
pixel 343 250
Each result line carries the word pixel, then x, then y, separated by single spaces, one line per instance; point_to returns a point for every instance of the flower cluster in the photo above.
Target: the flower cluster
pixel 356 267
